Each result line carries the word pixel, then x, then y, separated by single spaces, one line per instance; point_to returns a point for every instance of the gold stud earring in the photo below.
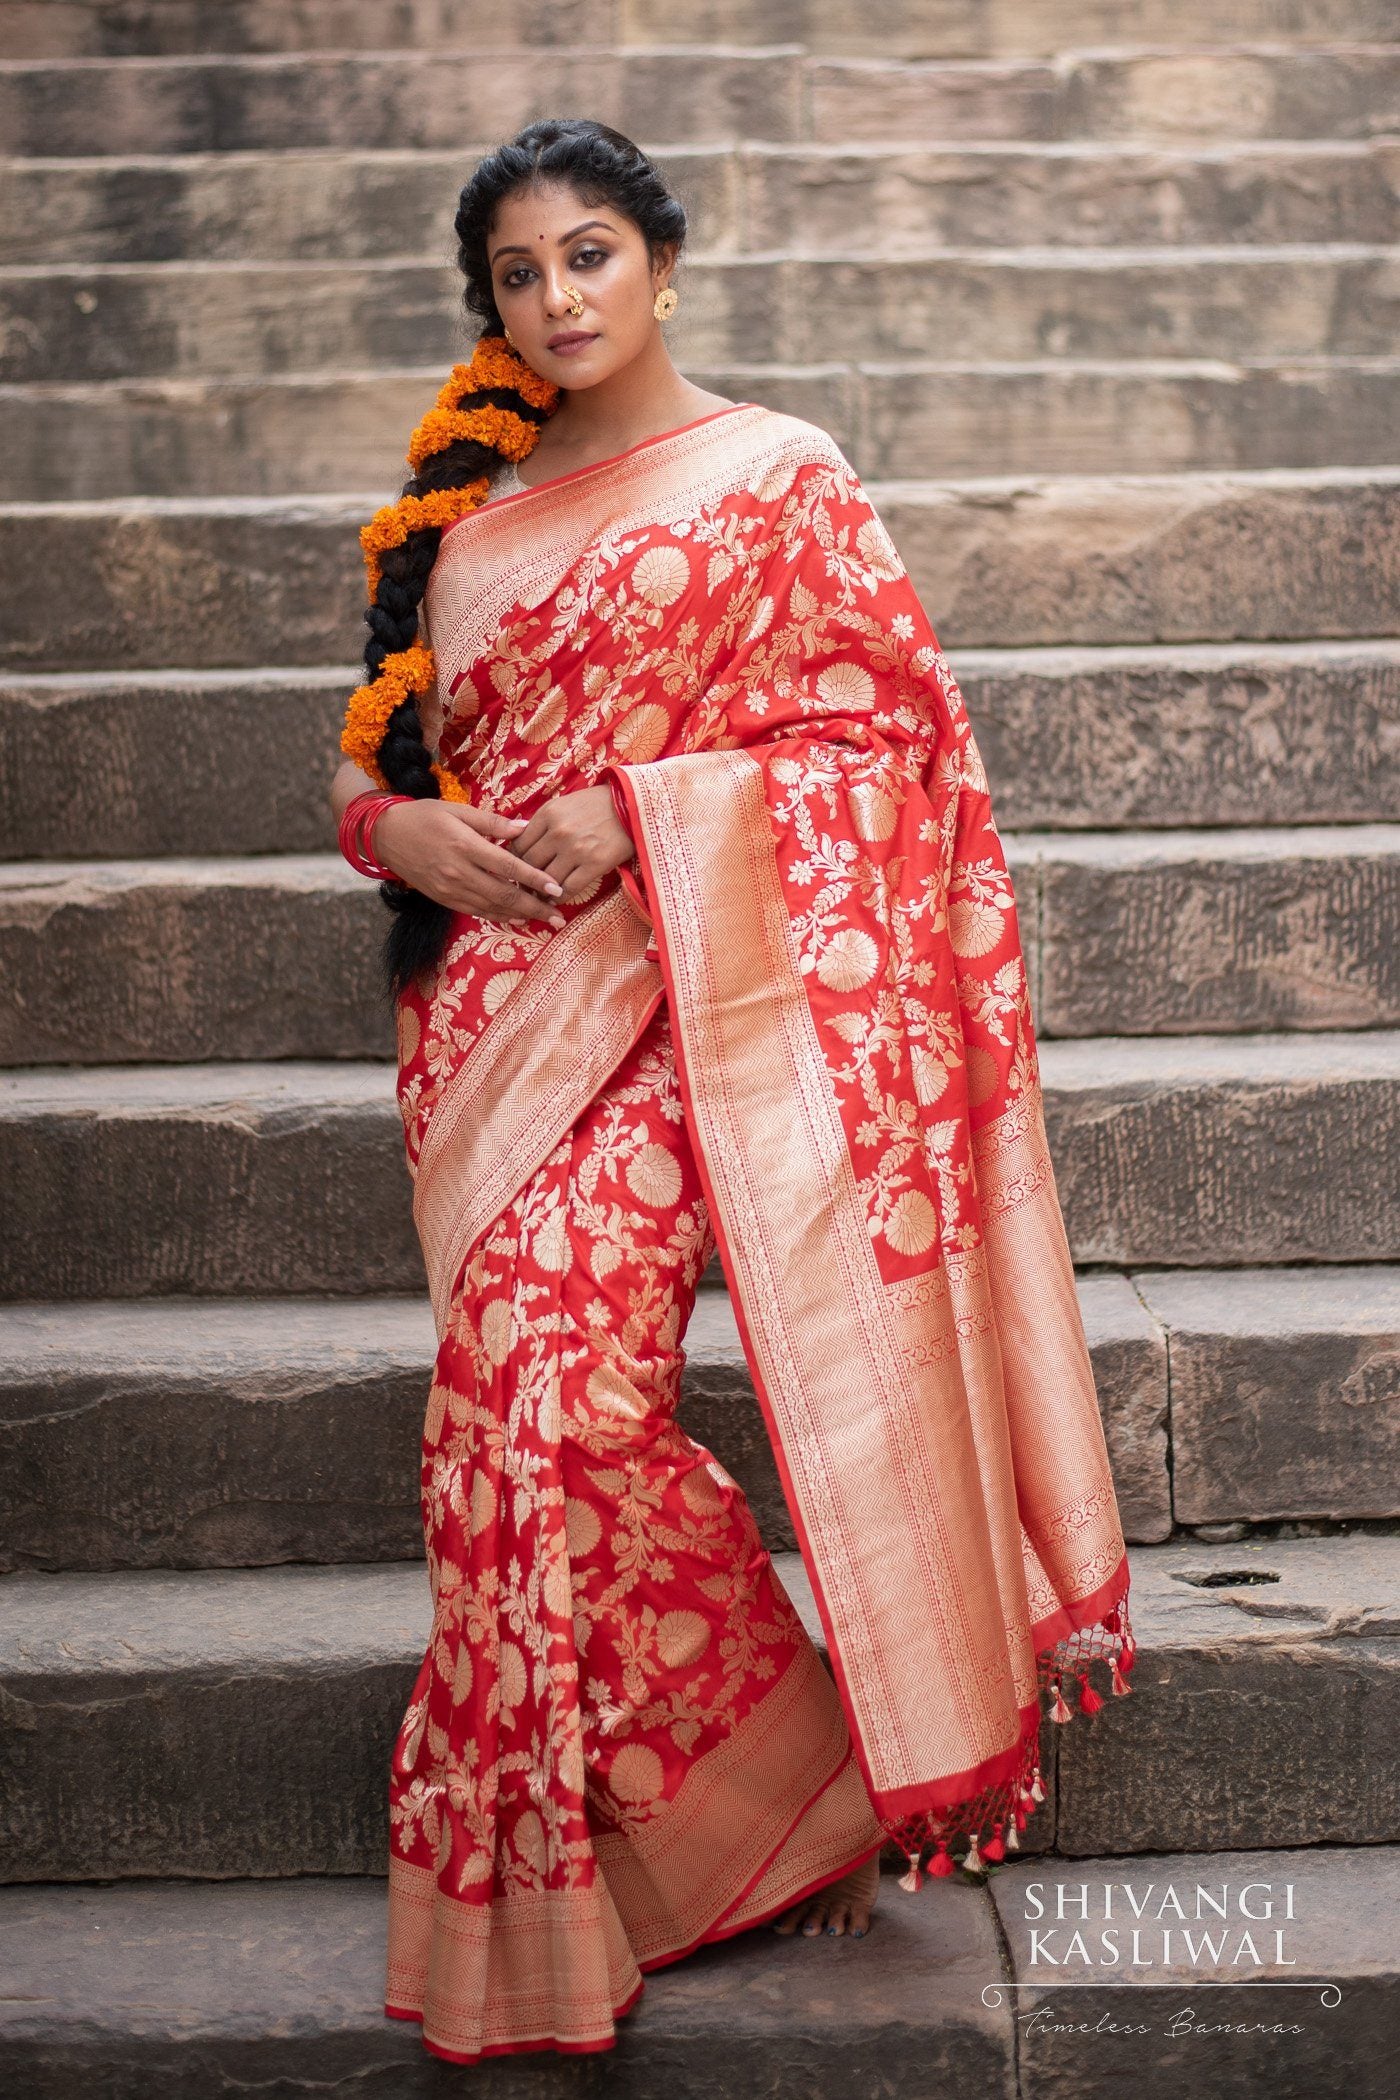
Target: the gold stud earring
pixel 665 304
pixel 575 299
pixel 509 337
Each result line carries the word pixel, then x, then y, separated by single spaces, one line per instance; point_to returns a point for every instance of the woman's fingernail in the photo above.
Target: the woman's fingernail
pixel 554 889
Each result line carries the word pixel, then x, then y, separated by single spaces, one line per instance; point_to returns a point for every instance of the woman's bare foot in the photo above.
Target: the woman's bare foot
pixel 842 1906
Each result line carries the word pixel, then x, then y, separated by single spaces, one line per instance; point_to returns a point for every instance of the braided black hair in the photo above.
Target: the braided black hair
pixel 603 167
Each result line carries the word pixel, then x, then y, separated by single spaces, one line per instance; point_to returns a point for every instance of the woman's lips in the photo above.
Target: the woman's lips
pixel 569 345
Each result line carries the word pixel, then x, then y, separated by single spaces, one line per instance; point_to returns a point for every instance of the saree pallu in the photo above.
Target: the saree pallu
pixel 796 1026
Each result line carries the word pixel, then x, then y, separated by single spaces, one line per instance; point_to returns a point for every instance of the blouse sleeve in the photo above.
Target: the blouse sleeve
pixel 620 805
pixel 629 873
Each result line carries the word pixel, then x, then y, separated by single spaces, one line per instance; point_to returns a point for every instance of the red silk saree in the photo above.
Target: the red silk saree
pixel 795 1027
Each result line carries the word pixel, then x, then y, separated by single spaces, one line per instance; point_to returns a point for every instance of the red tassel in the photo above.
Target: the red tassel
pixel 940 1864
pixel 994 1848
pixel 1089 1700
pixel 1060 1710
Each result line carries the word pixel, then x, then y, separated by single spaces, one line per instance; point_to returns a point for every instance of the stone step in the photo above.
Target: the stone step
pixel 1273 733
pixel 1263 91
pixel 96 29
pixel 1026 561
pixel 1145 417
pixel 192 1433
pixel 288 1979
pixel 1011 28
pixel 213 1433
pixel 132 961
pixel 223 1179
pixel 1284 1390
pixel 83 324
pixel 905 200
pixel 158 789
pixel 1125 933
pixel 1229 1150
pixel 1175 932
pixel 391 99
pixel 992 28
pixel 1009 563
pixel 324 205
pixel 216 1178
pixel 310 1415
pixel 693 94
pixel 278 436
pixel 232 1722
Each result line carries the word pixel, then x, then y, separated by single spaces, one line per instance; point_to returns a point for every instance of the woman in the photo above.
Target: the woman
pixel 702 935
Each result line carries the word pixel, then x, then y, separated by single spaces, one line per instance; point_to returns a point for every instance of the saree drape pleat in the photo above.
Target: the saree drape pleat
pixel 797 1027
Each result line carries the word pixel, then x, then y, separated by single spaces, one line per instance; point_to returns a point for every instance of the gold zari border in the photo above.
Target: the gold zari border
pixel 672 1877
pixel 532 1965
pixel 893 1412
pixel 556 1962
pixel 528 1078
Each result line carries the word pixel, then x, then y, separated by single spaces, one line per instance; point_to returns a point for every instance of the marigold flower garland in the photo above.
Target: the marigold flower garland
pixel 409 673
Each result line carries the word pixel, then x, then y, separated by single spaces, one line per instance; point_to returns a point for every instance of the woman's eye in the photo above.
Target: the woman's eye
pixel 581 261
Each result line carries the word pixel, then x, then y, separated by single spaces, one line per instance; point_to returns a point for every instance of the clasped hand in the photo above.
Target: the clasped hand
pixel 506 868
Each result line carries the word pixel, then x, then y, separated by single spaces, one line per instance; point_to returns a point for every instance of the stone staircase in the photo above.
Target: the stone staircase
pixel 1108 327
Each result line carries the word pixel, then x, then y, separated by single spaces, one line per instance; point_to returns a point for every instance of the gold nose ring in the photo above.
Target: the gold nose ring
pixel 575 299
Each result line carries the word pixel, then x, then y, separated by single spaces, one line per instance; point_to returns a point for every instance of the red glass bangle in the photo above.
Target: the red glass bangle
pixel 371 825
pixel 356 832
pixel 349 829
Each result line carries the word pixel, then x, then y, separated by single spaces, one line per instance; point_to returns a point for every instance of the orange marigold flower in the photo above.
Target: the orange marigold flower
pixel 410 672
pixel 391 526
pixel 494 363
pixel 501 428
pixel 402 676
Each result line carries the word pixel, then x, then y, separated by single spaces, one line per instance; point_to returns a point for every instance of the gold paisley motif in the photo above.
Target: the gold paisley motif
pixel 637 1775
pixel 654 1177
pixel 681 1638
pixel 583 1527
pixel 406 1018
pixel 548 718
pixel 661 575
pixel 849 960
pixel 844 685
pixel 642 733
pixel 983 1075
pixel 912 1224
pixel 975 926
pixel 873 812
